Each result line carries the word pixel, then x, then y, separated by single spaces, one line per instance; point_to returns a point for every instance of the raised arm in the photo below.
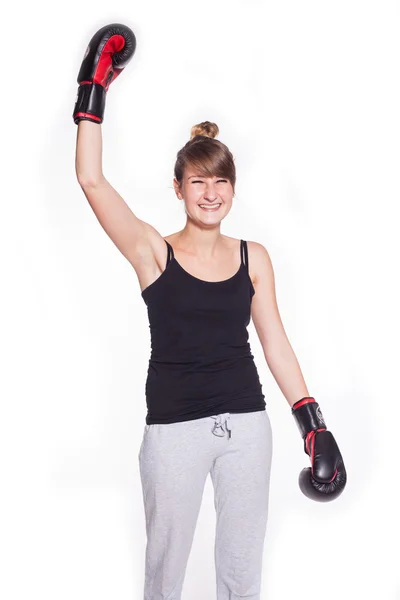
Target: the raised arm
pixel 107 54
pixel 132 236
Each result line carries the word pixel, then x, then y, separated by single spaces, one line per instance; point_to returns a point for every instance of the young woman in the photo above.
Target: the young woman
pixel 206 410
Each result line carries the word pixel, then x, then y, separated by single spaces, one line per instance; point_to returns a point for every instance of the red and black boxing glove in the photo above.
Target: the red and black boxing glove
pixel 107 54
pixel 326 478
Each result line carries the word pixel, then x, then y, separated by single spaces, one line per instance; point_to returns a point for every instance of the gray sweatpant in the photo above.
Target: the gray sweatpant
pixel 175 460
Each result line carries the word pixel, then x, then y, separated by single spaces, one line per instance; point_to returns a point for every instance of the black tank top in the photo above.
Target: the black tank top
pixel 201 362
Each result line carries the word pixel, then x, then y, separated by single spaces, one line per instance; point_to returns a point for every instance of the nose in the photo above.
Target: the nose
pixel 210 193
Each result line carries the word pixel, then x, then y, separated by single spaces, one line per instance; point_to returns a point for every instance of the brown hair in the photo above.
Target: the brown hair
pixel 208 156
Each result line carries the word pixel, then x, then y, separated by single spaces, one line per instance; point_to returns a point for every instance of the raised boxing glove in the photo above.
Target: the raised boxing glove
pixel 107 54
pixel 326 478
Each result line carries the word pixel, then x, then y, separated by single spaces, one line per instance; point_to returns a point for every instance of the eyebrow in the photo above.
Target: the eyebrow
pixel 204 176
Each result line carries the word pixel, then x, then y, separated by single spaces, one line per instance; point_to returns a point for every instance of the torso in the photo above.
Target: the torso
pixel 224 267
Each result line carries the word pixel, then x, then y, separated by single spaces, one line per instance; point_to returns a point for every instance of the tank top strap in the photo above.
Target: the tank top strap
pixel 170 252
pixel 244 254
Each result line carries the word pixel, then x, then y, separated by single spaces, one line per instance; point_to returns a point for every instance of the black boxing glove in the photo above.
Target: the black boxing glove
pixel 326 478
pixel 107 54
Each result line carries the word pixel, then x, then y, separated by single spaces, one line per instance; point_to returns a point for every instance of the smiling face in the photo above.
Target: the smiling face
pixel 207 199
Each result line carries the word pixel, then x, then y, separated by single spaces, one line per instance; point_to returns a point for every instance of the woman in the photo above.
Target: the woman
pixel 206 410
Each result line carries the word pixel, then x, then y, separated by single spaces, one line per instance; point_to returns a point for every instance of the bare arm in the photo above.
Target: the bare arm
pixel 138 241
pixel 278 351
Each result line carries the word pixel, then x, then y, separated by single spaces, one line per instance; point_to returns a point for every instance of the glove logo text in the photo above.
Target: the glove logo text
pixel 319 416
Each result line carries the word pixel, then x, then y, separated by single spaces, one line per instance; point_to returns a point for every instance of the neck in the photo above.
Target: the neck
pixel 200 241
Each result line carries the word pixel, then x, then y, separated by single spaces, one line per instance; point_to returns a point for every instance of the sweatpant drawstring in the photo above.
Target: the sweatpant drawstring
pixel 222 425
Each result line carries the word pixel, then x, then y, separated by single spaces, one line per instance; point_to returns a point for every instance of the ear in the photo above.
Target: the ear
pixel 177 189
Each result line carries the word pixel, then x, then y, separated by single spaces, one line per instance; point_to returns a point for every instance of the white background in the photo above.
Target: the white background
pixel 306 95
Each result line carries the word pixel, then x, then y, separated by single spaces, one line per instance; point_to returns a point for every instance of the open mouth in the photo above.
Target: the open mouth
pixel 209 208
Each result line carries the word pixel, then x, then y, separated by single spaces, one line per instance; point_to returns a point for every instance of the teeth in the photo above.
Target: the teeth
pixel 207 206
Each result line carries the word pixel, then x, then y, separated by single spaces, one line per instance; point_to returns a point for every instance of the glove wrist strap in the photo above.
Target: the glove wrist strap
pixel 90 103
pixel 308 416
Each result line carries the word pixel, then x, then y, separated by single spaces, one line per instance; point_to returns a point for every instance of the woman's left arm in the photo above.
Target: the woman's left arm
pixel 278 352
pixel 326 479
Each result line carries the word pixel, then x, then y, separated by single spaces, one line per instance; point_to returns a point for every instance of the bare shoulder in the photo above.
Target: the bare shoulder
pixel 257 250
pixel 171 238
pixel 151 255
pixel 259 261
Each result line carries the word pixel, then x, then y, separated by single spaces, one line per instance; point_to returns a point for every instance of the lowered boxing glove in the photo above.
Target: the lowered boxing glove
pixel 107 54
pixel 326 478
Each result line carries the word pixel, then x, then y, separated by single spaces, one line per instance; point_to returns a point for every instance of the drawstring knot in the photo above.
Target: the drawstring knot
pixel 222 425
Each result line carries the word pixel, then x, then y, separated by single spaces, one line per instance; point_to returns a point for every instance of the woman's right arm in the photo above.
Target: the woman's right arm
pixel 138 241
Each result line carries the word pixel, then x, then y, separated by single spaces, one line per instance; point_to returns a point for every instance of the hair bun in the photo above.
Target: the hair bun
pixel 205 129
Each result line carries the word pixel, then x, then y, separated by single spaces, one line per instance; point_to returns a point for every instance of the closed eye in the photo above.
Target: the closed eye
pixel 219 180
